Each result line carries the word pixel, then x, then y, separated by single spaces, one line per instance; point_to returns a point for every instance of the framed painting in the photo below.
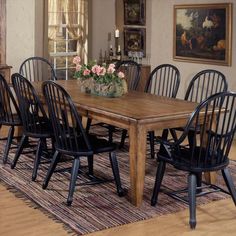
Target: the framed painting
pixel 134 12
pixel 202 33
pixel 135 40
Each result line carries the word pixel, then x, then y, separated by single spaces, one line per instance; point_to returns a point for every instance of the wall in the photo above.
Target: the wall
pixel 20 31
pixel 162 43
pixel 102 27
pixel 21 35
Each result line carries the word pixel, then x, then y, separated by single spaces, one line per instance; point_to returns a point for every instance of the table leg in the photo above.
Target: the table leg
pixel 137 151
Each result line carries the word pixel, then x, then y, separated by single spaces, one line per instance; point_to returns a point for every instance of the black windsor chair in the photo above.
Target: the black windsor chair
pixel 37 69
pixel 71 138
pixel 203 85
pixel 9 114
pixel 164 80
pixel 36 124
pixel 217 118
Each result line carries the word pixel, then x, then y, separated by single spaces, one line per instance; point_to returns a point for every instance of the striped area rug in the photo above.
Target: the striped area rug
pixel 96 207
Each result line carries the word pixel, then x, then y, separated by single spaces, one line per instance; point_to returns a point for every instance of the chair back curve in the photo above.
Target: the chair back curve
pixel 204 84
pixel 132 71
pixel 164 80
pixel 69 133
pixel 9 111
pixel 37 69
pixel 216 117
pixel 34 117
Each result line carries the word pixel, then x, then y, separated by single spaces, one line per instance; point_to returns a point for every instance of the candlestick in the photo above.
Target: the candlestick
pixel 117 33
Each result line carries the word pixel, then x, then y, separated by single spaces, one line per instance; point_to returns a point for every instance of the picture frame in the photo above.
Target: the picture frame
pixel 135 40
pixel 203 33
pixel 134 12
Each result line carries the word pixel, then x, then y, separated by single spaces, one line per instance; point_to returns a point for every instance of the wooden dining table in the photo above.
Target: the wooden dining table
pixel 137 112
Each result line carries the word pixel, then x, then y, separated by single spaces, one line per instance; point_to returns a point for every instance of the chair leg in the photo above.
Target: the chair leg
pixel 159 177
pixel 116 173
pixel 19 150
pixel 173 134
pixel 192 183
pixel 199 181
pixel 229 183
pixel 111 129
pixel 89 121
pixel 8 144
pixel 151 138
pixel 90 165
pixel 123 137
pixel 74 173
pixel 55 160
pixel 37 159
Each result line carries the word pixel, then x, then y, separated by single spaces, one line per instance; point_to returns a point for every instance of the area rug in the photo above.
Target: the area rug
pixel 96 207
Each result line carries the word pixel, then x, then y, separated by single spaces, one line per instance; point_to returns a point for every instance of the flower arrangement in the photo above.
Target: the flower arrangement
pixel 100 80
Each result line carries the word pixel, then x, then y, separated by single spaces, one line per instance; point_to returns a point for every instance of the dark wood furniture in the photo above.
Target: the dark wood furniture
pixel 35 122
pixel 9 114
pixel 138 113
pixel 71 138
pixel 145 72
pixel 5 71
pixel 208 152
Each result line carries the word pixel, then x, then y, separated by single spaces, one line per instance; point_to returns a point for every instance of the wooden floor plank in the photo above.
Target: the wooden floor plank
pixel 216 218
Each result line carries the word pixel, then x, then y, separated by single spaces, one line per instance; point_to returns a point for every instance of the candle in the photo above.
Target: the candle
pixel 117 33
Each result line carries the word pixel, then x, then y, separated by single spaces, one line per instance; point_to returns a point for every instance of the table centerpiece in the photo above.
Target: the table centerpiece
pixel 101 80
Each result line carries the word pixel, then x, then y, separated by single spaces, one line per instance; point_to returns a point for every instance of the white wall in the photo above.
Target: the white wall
pixel 20 33
pixel 162 43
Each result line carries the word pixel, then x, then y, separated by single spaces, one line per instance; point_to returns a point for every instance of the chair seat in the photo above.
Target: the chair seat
pixel 42 129
pixel 99 145
pixel 11 120
pixel 180 158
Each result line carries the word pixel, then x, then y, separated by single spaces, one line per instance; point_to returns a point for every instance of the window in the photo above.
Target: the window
pixel 67 34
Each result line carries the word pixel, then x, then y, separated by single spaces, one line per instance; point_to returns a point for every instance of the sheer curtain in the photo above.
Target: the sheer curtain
pixel 73 13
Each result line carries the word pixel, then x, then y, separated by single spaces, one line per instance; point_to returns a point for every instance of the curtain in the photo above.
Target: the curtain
pixel 73 13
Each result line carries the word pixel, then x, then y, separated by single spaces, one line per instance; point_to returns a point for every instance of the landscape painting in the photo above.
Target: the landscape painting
pixel 202 33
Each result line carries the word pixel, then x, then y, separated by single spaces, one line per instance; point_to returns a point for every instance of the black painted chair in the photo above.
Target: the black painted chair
pixel 36 124
pixel 9 114
pixel 71 138
pixel 203 85
pixel 164 80
pixel 217 118
pixel 37 69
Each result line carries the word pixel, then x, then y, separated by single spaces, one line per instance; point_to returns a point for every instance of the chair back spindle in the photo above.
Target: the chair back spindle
pixel 164 80
pixel 204 84
pixel 37 69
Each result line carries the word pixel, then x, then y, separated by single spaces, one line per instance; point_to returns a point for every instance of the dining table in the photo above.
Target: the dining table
pixel 138 112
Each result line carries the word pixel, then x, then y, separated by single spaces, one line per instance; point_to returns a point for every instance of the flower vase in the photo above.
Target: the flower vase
pixel 113 89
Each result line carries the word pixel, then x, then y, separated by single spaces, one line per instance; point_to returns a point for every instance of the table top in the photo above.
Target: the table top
pixel 133 106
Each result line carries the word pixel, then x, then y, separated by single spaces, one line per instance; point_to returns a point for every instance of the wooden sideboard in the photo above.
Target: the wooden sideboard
pixel 145 72
pixel 5 70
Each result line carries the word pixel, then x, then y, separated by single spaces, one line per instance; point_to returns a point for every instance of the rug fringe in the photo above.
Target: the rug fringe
pixel 32 204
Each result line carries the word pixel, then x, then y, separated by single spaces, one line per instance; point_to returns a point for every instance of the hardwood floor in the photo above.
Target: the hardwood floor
pixel 216 218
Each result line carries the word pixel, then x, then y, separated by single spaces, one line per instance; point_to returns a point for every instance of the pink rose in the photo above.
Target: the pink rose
pixel 86 72
pixel 103 70
pixel 95 69
pixel 78 67
pixel 121 75
pixel 76 60
pixel 111 69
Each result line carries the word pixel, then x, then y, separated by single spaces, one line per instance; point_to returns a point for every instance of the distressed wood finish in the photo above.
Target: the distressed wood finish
pixel 138 113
